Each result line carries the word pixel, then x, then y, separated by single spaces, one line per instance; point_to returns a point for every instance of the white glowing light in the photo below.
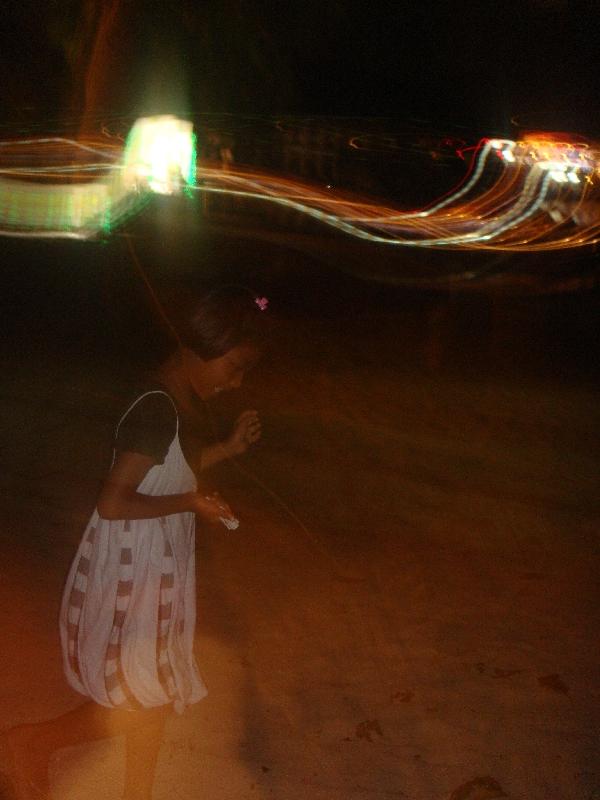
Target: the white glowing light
pixel 552 166
pixel 80 200
pixel 160 153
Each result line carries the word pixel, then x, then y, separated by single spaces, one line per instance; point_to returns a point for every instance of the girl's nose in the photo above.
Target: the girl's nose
pixel 236 382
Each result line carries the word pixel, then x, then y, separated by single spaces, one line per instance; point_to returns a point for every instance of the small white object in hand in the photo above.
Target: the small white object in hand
pixel 231 524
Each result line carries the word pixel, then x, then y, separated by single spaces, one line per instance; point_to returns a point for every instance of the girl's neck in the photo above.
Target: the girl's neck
pixel 172 376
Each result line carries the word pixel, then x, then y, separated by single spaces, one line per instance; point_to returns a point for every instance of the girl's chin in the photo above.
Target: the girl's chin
pixel 206 394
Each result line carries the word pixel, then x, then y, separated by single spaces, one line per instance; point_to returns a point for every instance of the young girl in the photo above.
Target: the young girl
pixel 128 611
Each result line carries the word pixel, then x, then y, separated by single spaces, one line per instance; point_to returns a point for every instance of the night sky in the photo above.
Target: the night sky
pixel 486 66
pixel 462 70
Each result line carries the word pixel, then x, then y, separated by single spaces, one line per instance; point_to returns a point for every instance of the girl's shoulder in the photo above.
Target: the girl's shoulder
pixel 149 396
pixel 148 423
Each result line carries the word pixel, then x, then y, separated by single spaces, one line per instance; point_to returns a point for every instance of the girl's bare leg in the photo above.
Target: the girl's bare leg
pixel 32 745
pixel 143 746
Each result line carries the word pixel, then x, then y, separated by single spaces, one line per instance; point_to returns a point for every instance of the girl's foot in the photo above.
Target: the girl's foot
pixel 29 762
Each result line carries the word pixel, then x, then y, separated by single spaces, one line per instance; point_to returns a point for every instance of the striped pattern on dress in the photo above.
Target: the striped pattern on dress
pixel 116 686
pixel 165 613
pixel 76 600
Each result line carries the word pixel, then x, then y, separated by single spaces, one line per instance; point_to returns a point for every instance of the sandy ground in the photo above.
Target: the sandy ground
pixel 408 610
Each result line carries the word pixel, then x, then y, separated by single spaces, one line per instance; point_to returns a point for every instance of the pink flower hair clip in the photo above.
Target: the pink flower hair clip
pixel 261 302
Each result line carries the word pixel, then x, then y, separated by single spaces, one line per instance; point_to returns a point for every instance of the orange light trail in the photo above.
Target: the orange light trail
pixel 530 195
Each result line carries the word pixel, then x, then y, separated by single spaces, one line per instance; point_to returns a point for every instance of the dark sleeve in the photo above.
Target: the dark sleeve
pixel 149 428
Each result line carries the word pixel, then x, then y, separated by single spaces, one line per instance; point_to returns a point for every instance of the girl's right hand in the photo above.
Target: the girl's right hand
pixel 210 507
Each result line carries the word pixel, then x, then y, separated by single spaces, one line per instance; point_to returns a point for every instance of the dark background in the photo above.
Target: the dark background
pixel 479 65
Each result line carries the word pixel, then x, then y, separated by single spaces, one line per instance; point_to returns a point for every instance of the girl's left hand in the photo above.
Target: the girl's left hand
pixel 246 431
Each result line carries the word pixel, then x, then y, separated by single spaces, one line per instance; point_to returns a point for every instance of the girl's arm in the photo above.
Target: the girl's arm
pixel 213 454
pixel 119 498
pixel 245 432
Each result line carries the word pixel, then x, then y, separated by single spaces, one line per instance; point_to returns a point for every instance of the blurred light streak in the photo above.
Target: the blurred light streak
pixel 505 203
pixel 526 195
pixel 94 44
pixel 50 191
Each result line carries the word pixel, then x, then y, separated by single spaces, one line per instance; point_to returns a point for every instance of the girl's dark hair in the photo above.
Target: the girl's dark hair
pixel 225 318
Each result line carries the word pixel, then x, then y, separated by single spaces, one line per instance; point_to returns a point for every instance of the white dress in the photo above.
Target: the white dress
pixel 128 611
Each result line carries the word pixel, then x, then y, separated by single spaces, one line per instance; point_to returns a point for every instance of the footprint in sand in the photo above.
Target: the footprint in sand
pixel 506 673
pixel 402 697
pixel 484 788
pixel 366 728
pixel 555 683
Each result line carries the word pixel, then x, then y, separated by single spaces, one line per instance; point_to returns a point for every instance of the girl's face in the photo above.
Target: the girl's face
pixel 221 374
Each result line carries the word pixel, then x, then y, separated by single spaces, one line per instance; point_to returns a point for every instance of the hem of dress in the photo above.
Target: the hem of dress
pixel 179 706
